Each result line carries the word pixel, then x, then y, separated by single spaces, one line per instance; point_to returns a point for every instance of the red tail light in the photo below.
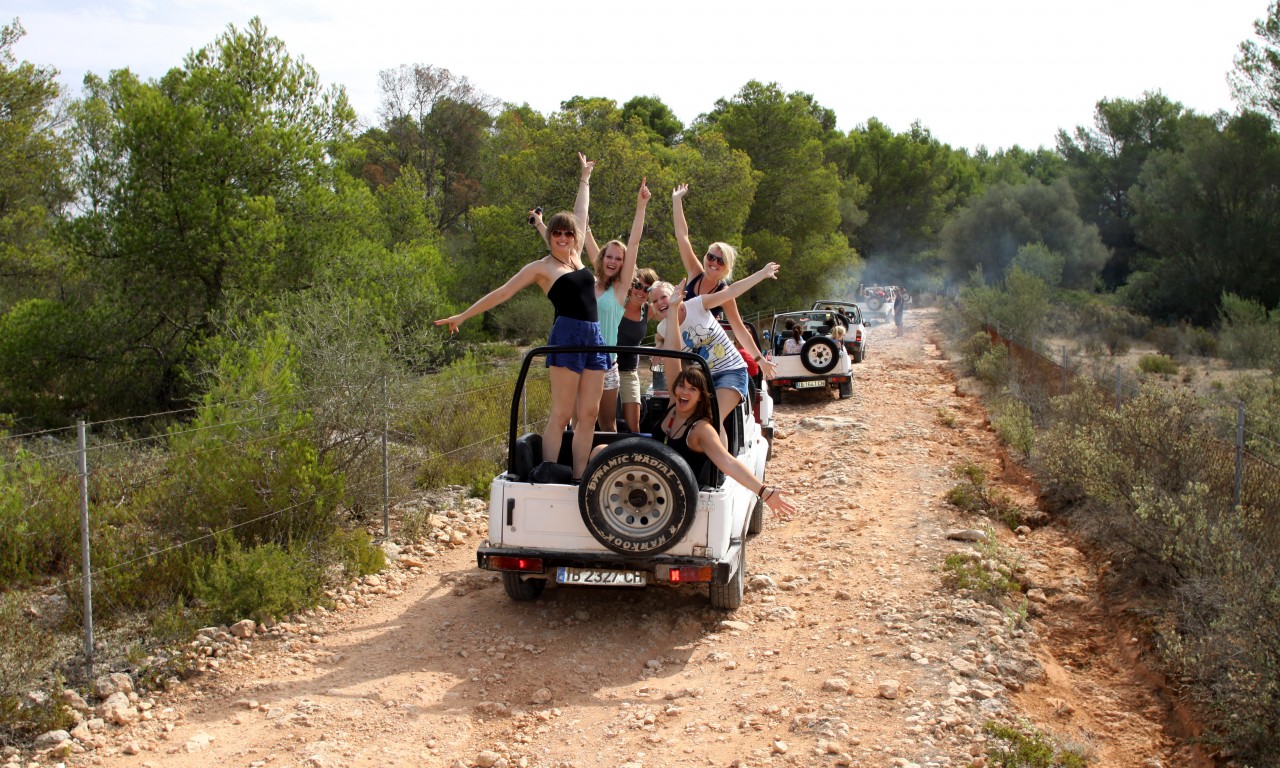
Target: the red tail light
pixel 689 573
pixel 526 564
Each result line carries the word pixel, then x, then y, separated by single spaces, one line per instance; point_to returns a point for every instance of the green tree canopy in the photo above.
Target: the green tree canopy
pixel 34 172
pixel 914 182
pixel 1210 214
pixel 989 233
pixel 1255 83
pixel 214 186
pixel 1104 163
pixel 799 192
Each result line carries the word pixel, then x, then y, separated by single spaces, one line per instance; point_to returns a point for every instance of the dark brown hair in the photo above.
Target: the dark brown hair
pixel 695 378
pixel 565 220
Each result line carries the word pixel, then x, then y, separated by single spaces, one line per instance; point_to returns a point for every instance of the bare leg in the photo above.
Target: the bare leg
pixel 564 391
pixel 590 385
pixel 727 398
pixel 608 413
pixel 631 415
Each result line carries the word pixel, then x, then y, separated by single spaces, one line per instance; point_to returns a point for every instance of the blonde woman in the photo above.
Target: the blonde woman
pixel 712 274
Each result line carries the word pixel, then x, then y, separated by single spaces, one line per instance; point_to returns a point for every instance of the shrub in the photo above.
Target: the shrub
pixel 993 366
pixel 39 516
pixel 248 461
pixel 266 580
pixel 1026 747
pixel 1158 365
pixel 1250 336
pixel 523 318
pixel 987 571
pixel 357 552
pixel 1012 422
pixel 973 496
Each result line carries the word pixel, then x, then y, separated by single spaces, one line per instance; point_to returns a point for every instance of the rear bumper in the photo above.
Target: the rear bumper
pixel 721 570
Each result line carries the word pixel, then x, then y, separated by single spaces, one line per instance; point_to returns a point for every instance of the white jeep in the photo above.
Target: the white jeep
pixel 639 517
pixel 822 361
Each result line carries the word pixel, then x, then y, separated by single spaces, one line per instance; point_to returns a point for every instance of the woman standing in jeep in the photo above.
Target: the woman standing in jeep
pixel 577 379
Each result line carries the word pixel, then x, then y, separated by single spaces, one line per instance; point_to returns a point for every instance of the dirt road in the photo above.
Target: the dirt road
pixel 848 649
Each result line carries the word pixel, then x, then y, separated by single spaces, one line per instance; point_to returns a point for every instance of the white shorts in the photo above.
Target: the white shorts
pixel 611 378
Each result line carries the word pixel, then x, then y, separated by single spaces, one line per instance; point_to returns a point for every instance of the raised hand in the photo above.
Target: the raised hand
pixel 586 165
pixel 770 271
pixel 453 322
pixel 644 194
pixel 679 192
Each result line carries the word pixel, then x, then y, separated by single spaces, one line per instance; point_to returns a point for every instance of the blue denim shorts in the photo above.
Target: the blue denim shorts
pixel 734 378
pixel 567 332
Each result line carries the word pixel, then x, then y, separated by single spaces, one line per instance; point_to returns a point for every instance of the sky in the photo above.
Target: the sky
pixel 993 73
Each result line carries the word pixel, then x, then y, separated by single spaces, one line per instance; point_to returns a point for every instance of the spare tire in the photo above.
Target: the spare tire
pixel 819 354
pixel 876 302
pixel 638 496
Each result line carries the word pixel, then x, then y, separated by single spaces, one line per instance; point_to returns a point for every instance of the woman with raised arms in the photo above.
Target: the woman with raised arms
pixel 576 378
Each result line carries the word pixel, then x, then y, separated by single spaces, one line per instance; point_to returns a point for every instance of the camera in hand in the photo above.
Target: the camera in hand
pixel 537 211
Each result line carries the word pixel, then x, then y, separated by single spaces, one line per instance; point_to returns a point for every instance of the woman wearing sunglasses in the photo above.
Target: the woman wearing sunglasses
pixel 615 266
pixel 631 331
pixel 689 325
pixel 576 378
pixel 713 274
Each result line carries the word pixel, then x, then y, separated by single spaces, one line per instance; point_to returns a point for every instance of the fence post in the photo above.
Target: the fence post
pixel 1239 454
pixel 1118 386
pixel 87 575
pixel 386 463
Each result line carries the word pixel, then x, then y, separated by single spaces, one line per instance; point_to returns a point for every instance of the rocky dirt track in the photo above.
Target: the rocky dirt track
pixel 848 649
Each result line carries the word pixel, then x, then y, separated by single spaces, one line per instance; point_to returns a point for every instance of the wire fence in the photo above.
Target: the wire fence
pixel 93 475
pixel 1238 471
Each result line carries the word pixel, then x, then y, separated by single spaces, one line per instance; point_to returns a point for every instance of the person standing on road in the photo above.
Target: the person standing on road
pixel 899 306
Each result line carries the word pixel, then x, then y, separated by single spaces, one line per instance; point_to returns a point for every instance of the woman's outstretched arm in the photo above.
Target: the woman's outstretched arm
pixel 704 439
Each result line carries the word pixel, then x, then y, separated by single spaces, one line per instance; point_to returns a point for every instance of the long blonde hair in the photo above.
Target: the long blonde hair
pixel 597 264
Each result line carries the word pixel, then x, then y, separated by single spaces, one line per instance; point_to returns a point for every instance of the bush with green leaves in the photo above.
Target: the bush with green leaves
pixel 1026 747
pixel 39 515
pixel 988 571
pixel 458 423
pixel 249 459
pixel 264 580
pixel 1011 419
pixel 1250 335
pixel 357 552
pixel 1157 365
pixel 974 496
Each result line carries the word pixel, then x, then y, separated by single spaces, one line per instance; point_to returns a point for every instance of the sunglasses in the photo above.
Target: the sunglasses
pixel 636 285
pixel 562 233
pixel 715 258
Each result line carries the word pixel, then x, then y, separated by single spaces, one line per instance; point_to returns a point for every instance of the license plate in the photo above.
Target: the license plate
pixel 810 384
pixel 598 577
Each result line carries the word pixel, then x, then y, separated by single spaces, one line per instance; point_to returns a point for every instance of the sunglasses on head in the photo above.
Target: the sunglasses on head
pixel 562 233
pixel 715 258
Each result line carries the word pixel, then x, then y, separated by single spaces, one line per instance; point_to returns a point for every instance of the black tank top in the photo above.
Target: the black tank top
pixel 630 334
pixel 680 444
pixel 691 290
pixel 573 295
